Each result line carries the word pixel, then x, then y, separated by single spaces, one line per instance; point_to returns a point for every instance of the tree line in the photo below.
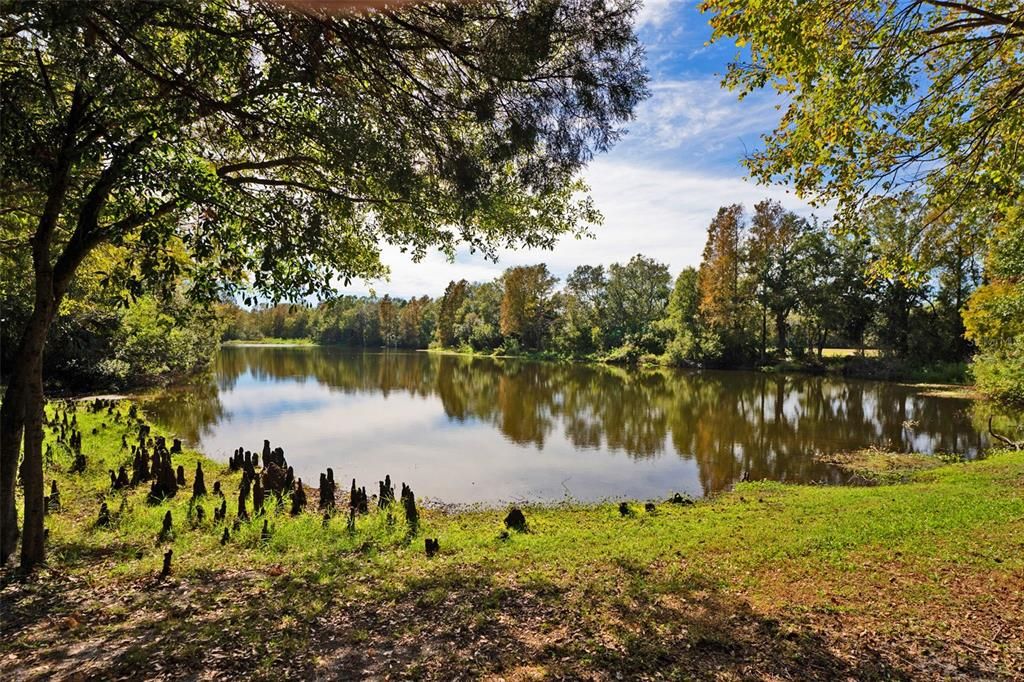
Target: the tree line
pixel 771 285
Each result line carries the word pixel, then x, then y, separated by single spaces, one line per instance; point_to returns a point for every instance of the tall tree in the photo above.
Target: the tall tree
pixel 772 261
pixel 900 267
pixel 636 297
pixel 526 306
pixel 454 294
pixel 238 143
pixel 388 320
pixel 584 303
pixel 684 303
pixel 414 324
pixel 718 280
pixel 478 318
pixel 995 315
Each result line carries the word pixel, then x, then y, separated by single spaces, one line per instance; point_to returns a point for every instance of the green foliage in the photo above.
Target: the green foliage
pixel 527 309
pixel 994 318
pixel 478 141
pixel 101 341
pixel 884 96
pixel 635 298
pixel 801 284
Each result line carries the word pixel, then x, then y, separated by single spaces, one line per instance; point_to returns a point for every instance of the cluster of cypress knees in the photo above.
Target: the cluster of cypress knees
pixel 151 461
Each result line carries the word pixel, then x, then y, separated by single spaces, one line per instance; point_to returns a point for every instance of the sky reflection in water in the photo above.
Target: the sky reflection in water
pixel 469 430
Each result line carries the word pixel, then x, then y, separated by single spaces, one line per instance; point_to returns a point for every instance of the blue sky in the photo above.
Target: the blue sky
pixel 661 185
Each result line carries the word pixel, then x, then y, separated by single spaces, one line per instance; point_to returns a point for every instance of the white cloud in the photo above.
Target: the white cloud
pixel 700 114
pixel 655 12
pixel 661 213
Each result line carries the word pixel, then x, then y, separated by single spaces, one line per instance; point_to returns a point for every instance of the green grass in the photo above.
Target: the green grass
pixel 270 341
pixel 665 589
pixel 848 352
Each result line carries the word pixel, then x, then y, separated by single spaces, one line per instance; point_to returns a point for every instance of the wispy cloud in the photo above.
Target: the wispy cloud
pixel 663 213
pixel 655 12
pixel 698 114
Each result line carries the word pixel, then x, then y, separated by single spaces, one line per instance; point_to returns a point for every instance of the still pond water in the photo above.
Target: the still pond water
pixel 469 430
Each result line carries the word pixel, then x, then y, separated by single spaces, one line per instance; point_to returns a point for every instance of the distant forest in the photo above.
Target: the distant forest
pixel 771 286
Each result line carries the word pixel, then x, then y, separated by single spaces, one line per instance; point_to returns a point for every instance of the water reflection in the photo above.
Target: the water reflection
pixel 482 430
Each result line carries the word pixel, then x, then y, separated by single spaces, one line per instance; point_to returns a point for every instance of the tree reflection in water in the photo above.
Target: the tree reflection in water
pixel 723 424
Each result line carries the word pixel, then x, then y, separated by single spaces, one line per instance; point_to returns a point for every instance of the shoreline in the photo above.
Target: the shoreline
pixel 730 583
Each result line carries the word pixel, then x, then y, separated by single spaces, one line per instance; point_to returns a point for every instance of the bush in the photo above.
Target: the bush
pixel 626 354
pixel 1000 375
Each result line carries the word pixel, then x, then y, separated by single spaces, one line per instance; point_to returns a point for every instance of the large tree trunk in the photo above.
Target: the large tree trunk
pixel 22 414
pixel 764 333
pixel 780 332
pixel 12 426
pixel 33 550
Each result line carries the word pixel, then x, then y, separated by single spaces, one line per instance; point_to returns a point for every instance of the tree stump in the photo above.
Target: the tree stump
pixel 387 493
pixel 166 570
pixel 78 467
pixel 679 499
pixel 412 515
pixel 257 496
pixel 122 481
pixel 298 498
pixel 516 520
pixel 275 479
pixel 104 518
pixel 165 531
pixel 53 503
pixel 199 482
pixel 243 496
pixel 140 466
pixel 327 486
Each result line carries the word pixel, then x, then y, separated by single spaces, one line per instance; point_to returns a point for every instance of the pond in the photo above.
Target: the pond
pixel 483 430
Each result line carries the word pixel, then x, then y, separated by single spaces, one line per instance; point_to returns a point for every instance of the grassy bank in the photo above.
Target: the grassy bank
pixel 836 361
pixel 921 579
pixel 270 341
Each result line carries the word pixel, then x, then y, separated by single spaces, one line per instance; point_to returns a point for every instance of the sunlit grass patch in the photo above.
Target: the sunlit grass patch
pixel 881 465
pixel 584 583
pixel 850 352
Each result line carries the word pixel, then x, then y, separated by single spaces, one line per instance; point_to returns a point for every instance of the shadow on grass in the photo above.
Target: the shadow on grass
pixel 444 623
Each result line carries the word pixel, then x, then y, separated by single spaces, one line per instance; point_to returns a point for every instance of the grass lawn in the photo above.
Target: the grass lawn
pixel 920 579
pixel 270 341
pixel 850 352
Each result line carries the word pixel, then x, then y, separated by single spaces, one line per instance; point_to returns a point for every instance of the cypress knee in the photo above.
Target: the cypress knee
pixel 104 519
pixel 166 570
pixel 298 498
pixel 199 483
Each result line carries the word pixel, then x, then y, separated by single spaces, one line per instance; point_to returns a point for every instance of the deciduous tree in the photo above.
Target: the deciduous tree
pixel 249 147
